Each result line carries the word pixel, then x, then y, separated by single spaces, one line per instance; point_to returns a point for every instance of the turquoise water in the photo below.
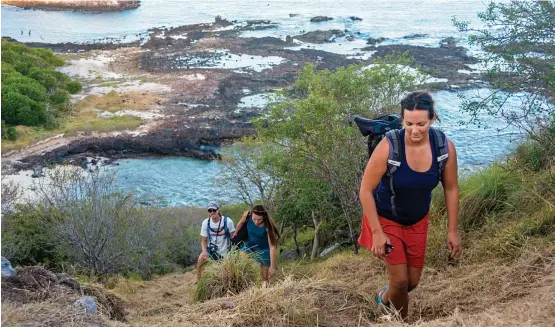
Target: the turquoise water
pixel 171 181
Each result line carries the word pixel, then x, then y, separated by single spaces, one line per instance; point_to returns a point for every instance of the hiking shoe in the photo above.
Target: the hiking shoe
pixel 379 295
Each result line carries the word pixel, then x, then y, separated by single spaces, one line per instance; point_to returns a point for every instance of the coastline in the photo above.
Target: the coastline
pixel 88 6
pixel 196 87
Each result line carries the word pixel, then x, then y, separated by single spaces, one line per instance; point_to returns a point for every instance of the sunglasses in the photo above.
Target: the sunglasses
pixel 212 210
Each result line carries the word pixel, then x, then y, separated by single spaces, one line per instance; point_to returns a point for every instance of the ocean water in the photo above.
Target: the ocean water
pixel 390 19
pixel 184 181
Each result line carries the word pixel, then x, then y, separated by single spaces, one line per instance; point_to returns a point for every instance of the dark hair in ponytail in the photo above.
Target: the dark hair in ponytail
pixel 273 232
pixel 420 100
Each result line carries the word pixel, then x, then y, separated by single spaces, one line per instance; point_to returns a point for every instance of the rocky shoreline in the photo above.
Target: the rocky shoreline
pixel 207 73
pixel 90 6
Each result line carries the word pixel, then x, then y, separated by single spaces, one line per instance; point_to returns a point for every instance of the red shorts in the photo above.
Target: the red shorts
pixel 409 242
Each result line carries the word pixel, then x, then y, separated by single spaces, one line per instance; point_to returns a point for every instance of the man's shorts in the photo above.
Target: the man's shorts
pixel 409 242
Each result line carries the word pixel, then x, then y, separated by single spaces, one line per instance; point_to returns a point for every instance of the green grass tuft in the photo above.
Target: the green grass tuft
pixel 232 275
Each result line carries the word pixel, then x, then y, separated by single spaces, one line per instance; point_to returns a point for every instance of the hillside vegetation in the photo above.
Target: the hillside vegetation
pixel 305 165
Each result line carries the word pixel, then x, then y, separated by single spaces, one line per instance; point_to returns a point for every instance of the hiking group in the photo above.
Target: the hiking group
pixel 256 235
pixel 407 160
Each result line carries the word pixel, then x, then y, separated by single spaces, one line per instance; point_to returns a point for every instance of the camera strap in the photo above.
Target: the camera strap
pixel 217 230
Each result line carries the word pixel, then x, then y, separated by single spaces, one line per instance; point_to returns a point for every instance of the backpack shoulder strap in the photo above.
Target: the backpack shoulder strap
pixel 442 149
pixel 208 228
pixel 393 161
pixel 395 150
pixel 226 230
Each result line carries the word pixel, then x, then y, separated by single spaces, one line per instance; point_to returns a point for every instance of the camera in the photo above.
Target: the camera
pixel 212 248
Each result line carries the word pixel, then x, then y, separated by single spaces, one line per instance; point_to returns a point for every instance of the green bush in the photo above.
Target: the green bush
pixel 531 156
pixel 74 87
pixel 11 133
pixel 28 237
pixel 484 193
pixel 59 97
pixel 18 109
pixel 30 84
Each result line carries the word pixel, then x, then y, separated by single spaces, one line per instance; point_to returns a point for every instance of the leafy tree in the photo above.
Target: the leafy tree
pixel 519 40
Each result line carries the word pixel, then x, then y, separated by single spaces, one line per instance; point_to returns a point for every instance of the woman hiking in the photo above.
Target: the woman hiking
pixel 396 193
pixel 261 243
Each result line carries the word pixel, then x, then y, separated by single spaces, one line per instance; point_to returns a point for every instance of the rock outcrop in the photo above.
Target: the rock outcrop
pixel 318 19
pixel 75 5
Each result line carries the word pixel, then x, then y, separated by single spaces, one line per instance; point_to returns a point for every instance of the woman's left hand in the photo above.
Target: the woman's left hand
pixel 271 272
pixel 454 244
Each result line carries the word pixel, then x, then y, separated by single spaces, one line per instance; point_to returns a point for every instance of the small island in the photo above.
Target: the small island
pixel 75 5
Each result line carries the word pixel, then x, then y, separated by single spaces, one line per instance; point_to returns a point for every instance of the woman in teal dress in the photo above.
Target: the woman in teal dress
pixel 262 239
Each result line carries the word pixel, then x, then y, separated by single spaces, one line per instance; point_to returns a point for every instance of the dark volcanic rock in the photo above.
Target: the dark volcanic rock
pixel 319 37
pixel 77 47
pixel 375 41
pixel 448 43
pixel 318 19
pixel 355 18
pixel 222 21
pixel 414 36
pixel 439 62
pixel 267 41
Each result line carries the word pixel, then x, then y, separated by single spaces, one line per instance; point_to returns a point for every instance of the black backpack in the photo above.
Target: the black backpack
pixel 389 126
pixel 375 129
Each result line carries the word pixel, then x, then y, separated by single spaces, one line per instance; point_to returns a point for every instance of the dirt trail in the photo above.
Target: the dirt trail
pixel 520 294
pixel 150 303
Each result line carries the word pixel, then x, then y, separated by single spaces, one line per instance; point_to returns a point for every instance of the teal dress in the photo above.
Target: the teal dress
pixel 257 244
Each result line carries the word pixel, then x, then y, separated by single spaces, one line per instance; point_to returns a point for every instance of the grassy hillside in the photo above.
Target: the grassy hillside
pixel 504 278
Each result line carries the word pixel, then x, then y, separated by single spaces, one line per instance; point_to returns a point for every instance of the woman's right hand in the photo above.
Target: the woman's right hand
pixel 244 217
pixel 379 240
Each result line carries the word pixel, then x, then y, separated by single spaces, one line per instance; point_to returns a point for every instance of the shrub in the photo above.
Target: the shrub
pixel 59 97
pixel 234 274
pixel 30 84
pixel 11 133
pixel 28 237
pixel 74 87
pixel 484 193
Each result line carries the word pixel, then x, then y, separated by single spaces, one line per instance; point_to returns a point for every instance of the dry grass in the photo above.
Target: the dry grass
pixel 340 292
pixel 109 304
pixel 53 312
pixel 114 101
pixel 35 283
pixel 35 296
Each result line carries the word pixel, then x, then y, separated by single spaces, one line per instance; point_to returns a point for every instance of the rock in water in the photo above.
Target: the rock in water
pixel 7 269
pixel 318 19
pixel 87 303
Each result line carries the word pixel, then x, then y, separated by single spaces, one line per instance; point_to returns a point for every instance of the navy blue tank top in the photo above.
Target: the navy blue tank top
pixel 413 190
